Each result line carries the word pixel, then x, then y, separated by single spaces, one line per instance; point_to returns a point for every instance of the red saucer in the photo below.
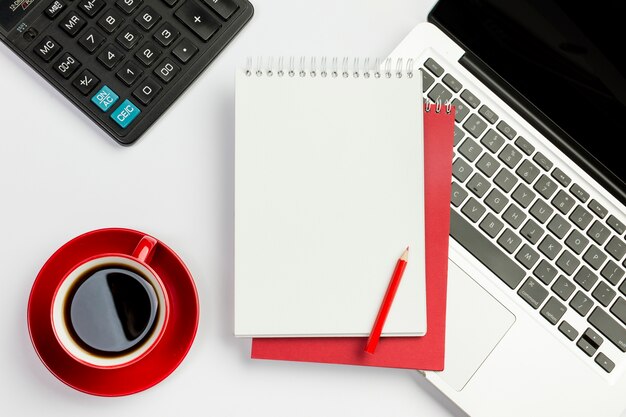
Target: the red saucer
pixel 154 367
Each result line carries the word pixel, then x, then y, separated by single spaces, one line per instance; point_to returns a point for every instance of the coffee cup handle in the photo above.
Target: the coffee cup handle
pixel 145 248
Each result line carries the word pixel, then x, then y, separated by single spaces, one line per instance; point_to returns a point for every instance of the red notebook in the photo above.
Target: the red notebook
pixel 426 352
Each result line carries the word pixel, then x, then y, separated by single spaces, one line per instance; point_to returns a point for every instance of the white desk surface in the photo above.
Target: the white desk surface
pixel 61 176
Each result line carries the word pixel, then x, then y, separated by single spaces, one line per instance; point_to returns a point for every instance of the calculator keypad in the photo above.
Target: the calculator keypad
pixel 119 58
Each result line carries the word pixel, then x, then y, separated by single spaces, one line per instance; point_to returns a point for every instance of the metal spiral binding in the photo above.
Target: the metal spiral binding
pixel 311 67
pixel 438 105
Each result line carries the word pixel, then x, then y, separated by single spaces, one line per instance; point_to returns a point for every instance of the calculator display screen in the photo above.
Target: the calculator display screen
pixel 12 11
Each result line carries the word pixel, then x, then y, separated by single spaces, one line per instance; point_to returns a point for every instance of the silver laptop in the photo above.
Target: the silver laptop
pixel 536 321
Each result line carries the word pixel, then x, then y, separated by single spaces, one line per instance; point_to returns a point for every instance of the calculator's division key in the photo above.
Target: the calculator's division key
pixel 225 8
pixel 198 18
pixel 85 82
pixel 91 40
pixel 66 65
pixel 128 6
pixel 147 90
pixel 184 51
pixel 47 49
pixel 129 73
pixel 72 23
pixel 91 7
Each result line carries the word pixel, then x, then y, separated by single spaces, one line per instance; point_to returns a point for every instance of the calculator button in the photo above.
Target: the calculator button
pixel 54 8
pixel 47 49
pixel 128 6
pixel 129 73
pixel 91 7
pixel 147 90
pixel 66 65
pixel 110 56
pixel 166 34
pixel 148 53
pixel 170 3
pixel 166 70
pixel 198 19
pixel 104 98
pixel 72 24
pixel 125 114
pixel 184 51
pixel 129 37
pixel 85 82
pixel 225 8
pixel 110 21
pixel 147 18
pixel 91 40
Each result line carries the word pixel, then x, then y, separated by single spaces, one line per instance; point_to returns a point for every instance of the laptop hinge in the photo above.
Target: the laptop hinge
pixel 544 125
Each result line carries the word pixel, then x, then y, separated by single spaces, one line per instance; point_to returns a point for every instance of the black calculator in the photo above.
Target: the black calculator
pixel 121 62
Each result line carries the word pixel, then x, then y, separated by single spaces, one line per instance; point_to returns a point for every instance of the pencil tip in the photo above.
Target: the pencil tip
pixel 405 254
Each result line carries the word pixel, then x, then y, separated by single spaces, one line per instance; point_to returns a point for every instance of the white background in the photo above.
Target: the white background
pixel 60 176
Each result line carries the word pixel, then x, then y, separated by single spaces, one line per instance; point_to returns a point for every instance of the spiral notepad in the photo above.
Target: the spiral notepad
pixel 328 192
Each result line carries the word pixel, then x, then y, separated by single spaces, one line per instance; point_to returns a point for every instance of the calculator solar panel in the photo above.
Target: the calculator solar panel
pixel 121 62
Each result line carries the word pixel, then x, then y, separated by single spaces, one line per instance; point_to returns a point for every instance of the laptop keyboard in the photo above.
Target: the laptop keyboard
pixel 544 236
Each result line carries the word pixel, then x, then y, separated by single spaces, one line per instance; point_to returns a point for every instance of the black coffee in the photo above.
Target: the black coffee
pixel 111 311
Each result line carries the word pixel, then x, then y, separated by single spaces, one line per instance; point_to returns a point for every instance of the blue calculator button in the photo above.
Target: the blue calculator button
pixel 125 113
pixel 104 98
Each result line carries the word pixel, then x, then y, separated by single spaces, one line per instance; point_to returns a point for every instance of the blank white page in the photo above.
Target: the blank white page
pixel 328 193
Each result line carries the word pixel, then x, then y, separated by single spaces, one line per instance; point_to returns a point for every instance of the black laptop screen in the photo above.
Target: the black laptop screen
pixel 566 57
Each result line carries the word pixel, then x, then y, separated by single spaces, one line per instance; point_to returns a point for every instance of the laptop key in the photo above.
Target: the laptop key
pixel 550 247
pixel 470 98
pixel 568 330
pixel 434 67
pixel 491 225
pixel 604 362
pixel 452 82
pixel 609 327
pixel 598 208
pixel 487 165
pixel 619 309
pixel 581 217
pixel 509 241
pixel 580 194
pixel 563 202
pixel 523 195
pixel 496 200
pixel 478 185
pixel 458 194
pixel 586 347
pixel 545 272
pixel 598 232
pixel 514 216
pixel 439 94
pixel 475 126
pixel 461 110
pixel 524 145
pixel 561 177
pixel 532 231
pixel 461 169
pixel 567 262
pixel 473 209
pixel 528 171
pixel 458 135
pixel 485 251
pixel 564 288
pixel 488 114
pixel 616 224
pixel 506 130
pixel 616 247
pixel 533 293
pixel 510 156
pixel 427 80
pixel 612 272
pixel 585 278
pixel 553 310
pixel 492 141
pixel 541 211
pixel 527 256
pixel 470 149
pixel 543 161
pixel 577 242
pixel 545 186
pixel 594 257
pixel 559 226
pixel 505 180
pixel 604 295
pixel 581 303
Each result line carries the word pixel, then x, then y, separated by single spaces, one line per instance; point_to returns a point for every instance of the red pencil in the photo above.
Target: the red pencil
pixel 372 341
